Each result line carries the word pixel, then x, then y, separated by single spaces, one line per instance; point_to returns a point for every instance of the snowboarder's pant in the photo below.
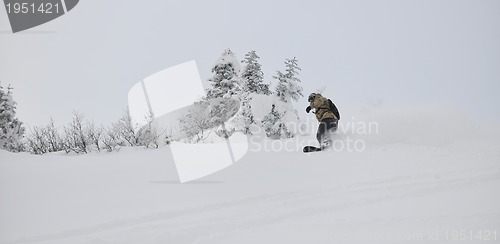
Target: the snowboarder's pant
pixel 325 129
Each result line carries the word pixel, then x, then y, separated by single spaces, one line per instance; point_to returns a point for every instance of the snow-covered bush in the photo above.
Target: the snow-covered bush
pixel 169 136
pixel 220 110
pixel 95 135
pixel 197 122
pixel 244 119
pixel 207 116
pixel 37 141
pixel 274 126
pixel 126 129
pixel 45 139
pixel 81 136
pixel 75 138
pixel 149 136
pixel 112 140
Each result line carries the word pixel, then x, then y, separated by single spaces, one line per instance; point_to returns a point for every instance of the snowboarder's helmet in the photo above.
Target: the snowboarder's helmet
pixel 311 97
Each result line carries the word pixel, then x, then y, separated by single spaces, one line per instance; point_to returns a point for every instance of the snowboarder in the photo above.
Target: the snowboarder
pixel 327 115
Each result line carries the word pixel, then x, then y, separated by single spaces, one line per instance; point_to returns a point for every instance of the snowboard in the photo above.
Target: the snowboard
pixel 308 149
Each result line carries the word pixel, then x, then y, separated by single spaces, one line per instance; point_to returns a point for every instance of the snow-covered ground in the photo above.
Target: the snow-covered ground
pixel 427 175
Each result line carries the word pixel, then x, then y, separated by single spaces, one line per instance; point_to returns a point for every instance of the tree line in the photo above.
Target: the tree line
pixel 231 91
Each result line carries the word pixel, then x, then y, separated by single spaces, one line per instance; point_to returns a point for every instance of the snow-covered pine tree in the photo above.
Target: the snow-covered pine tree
pixel 288 87
pixel 252 76
pixel 274 126
pixel 226 84
pixel 288 90
pixel 225 81
pixel 252 80
pixel 11 129
pixel 247 115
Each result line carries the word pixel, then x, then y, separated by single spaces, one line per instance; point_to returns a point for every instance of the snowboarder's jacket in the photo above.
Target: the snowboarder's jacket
pixel 322 107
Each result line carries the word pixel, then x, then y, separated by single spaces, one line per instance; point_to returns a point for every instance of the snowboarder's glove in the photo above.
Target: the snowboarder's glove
pixel 308 109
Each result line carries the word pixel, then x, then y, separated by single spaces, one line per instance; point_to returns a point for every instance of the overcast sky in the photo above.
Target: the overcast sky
pixel 404 52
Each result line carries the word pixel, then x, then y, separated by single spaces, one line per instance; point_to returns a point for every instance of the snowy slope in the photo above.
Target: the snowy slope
pixel 416 180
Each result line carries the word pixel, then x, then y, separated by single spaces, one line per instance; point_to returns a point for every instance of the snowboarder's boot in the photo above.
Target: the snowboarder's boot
pixel 326 144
